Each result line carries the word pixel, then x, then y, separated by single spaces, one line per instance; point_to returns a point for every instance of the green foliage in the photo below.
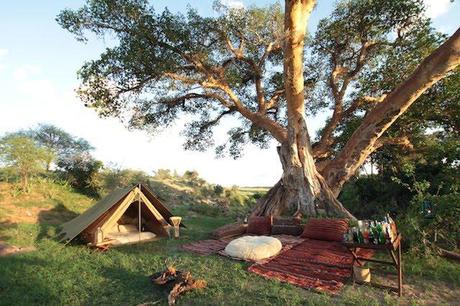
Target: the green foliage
pixel 23 157
pixel 159 60
pixel 163 174
pixel 218 189
pixel 64 145
pixel 371 45
pixel 235 196
pixel 122 178
pixel 431 218
pixel 82 173
pixel 405 182
pixel 369 196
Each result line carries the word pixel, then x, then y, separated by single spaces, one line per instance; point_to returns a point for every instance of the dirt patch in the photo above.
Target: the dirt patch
pixel 8 250
pixel 17 214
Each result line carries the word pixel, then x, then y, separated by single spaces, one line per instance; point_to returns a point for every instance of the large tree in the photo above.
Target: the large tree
pixel 64 145
pixel 252 64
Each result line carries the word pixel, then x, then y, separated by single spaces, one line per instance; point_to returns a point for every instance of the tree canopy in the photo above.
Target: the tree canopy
pixel 165 64
pixel 23 156
pixel 367 63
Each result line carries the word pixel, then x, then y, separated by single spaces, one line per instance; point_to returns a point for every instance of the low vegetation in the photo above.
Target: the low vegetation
pixel 58 274
pixel 421 192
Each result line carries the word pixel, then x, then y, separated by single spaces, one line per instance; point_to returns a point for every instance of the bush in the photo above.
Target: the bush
pixel 117 178
pixel 371 196
pixel 235 196
pixel 218 190
pixel 432 217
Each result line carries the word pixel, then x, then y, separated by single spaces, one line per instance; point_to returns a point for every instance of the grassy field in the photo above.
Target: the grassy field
pixel 55 274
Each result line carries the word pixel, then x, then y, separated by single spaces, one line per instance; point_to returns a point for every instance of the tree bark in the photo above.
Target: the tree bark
pixel 301 190
pixel 287 197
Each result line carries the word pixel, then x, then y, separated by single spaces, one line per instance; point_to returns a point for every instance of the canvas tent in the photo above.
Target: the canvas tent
pixel 124 216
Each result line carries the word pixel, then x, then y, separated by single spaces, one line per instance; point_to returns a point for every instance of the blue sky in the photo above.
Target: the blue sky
pixel 38 64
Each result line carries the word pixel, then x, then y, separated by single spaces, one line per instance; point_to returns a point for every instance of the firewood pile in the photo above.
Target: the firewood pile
pixel 178 281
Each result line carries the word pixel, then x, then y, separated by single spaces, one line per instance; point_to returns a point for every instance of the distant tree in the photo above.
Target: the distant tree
pixel 163 174
pixel 82 172
pixel 371 60
pixel 23 156
pixel 192 177
pixel 64 145
pixel 121 178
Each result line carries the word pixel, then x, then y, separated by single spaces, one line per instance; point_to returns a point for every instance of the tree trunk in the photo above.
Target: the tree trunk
pixel 25 181
pixel 291 195
pixel 301 190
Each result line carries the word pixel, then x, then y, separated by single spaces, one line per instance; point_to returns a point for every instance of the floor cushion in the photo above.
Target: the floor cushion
pixel 130 237
pixel 253 247
pixel 325 229
pixel 260 225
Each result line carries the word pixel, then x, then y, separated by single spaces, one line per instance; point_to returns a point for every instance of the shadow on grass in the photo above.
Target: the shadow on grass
pixel 50 220
pixel 5 227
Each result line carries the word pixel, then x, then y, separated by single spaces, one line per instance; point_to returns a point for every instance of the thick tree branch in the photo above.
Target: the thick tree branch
pixel 261 120
pixel 274 100
pixel 435 67
pixel 322 149
pixel 397 141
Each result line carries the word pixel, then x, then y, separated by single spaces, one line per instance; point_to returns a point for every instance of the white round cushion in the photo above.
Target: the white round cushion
pixel 253 247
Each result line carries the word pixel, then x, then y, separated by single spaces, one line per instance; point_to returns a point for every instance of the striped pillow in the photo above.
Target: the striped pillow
pixel 325 229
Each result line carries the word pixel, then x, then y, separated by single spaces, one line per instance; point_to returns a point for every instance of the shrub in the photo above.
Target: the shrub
pixel 218 190
pixel 235 196
pixel 431 218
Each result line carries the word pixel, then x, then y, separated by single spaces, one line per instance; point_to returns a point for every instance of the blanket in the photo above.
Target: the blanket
pixel 313 264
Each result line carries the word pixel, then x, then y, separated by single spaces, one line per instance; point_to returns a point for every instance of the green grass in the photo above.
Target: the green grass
pixel 55 274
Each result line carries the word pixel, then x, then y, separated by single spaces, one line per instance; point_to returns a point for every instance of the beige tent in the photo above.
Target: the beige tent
pixel 124 216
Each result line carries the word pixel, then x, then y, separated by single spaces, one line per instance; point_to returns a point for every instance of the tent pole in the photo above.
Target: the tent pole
pixel 139 204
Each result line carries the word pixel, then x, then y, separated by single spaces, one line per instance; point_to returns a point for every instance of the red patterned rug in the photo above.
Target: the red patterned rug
pixel 206 247
pixel 313 264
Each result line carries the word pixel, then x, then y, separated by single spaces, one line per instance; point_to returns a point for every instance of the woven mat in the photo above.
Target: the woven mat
pixel 206 247
pixel 312 264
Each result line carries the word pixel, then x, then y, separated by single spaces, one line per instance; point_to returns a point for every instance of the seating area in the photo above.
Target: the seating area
pixel 312 256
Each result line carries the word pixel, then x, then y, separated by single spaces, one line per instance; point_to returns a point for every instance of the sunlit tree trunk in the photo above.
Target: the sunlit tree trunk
pixel 301 190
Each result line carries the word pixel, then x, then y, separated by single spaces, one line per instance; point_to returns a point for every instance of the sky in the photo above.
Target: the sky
pixel 38 65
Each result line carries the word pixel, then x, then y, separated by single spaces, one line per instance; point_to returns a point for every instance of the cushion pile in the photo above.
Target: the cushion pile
pixel 260 225
pixel 325 229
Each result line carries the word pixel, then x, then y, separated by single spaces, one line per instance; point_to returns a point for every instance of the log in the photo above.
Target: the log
pixel 184 282
pixel 229 230
pixel 449 254
pixel 180 282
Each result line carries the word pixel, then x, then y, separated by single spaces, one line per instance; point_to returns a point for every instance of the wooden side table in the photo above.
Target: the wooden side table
pixel 394 249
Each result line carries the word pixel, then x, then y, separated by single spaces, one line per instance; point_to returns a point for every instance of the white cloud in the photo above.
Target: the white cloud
pixel 25 72
pixel 3 53
pixel 437 8
pixel 237 4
